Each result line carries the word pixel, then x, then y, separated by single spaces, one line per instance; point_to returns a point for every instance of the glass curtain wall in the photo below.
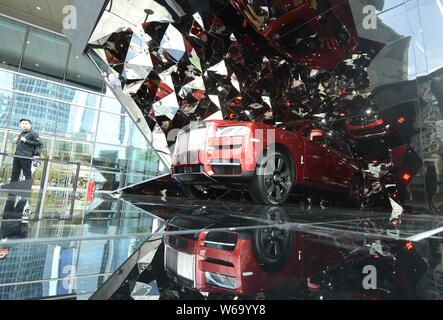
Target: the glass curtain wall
pixel 76 126
pixel 40 79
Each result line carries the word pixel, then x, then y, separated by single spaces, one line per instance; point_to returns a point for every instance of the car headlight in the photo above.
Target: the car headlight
pixel 231 131
pixel 221 280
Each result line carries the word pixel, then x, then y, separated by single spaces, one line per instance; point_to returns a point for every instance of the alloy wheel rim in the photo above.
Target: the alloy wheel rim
pixel 273 242
pixel 277 178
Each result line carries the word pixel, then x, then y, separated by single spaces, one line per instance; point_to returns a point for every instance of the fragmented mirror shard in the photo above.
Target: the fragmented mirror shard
pixel 201 60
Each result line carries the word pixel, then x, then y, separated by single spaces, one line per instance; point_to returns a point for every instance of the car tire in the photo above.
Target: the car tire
pixel 273 244
pixel 273 179
pixel 356 192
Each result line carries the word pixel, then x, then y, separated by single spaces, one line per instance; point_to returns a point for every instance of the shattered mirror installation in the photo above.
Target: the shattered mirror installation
pixel 351 66
pixel 238 60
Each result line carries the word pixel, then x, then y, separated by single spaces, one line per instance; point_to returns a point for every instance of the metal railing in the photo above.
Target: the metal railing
pixel 43 180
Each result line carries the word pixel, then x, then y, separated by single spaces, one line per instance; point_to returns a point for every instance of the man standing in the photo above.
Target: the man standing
pixel 28 145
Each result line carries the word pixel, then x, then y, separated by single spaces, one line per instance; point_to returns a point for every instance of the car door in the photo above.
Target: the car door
pixel 340 164
pixel 350 167
pixel 334 163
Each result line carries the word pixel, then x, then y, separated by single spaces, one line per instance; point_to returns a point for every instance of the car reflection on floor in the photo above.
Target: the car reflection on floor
pixel 266 252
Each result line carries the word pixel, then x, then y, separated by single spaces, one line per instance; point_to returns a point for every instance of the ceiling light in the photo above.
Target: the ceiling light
pixel 78 76
pixel 4 62
pixel 28 42
pixel 37 65
pixel 38 8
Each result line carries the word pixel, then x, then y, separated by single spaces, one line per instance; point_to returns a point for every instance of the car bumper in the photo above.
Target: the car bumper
pixel 220 258
pixel 203 178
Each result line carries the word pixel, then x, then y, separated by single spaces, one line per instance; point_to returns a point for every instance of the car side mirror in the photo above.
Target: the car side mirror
pixel 316 134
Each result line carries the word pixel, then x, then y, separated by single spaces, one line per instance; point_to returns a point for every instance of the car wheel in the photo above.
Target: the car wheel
pixel 273 179
pixel 357 192
pixel 273 242
pixel 195 192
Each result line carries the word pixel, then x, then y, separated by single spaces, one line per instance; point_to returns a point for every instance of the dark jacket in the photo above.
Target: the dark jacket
pixel 12 226
pixel 31 147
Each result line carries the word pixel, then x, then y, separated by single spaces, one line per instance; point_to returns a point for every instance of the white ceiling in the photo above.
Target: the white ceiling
pixel 50 16
pixel 45 51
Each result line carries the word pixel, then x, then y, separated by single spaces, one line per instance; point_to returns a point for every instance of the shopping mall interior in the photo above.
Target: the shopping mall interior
pixel 221 150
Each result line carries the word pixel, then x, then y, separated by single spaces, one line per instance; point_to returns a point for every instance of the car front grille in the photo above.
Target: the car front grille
pixel 180 263
pixel 190 140
pixel 221 240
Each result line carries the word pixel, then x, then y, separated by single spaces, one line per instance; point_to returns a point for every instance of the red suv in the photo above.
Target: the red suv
pixel 268 162
pixel 275 256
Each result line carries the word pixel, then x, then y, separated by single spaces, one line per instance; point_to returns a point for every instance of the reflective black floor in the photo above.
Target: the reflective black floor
pixel 73 257
pixel 225 250
pixel 184 249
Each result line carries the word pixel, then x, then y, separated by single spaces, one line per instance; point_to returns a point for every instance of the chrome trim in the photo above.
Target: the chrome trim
pixel 221 243
pixel 168 249
pixel 178 175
